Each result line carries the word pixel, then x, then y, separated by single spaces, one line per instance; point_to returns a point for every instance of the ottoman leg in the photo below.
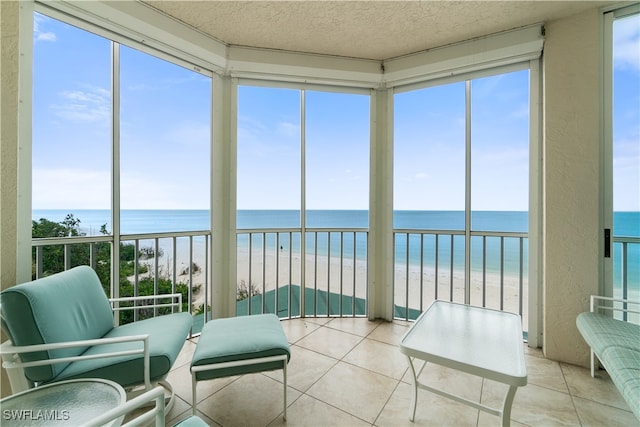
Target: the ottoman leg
pixel 284 377
pixel 193 393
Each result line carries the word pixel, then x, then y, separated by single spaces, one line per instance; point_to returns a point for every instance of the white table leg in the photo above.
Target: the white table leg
pixel 506 406
pixel 414 394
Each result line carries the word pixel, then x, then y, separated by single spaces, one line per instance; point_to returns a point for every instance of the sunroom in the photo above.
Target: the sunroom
pixel 349 182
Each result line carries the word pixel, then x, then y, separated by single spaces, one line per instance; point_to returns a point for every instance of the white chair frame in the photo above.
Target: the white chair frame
pixel 15 367
pixel 598 303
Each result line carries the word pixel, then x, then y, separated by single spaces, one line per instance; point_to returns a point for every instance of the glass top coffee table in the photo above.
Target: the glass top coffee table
pixel 479 341
pixel 65 403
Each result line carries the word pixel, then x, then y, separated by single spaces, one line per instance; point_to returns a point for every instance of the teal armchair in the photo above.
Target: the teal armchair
pixel 61 327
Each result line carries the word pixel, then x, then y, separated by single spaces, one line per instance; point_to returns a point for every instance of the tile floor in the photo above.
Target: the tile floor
pixel 350 372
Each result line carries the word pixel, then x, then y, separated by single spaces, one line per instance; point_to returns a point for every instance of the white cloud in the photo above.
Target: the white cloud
pixel 289 129
pixel 252 137
pixel 38 33
pixel 141 87
pixel 626 174
pixel 250 124
pixel 421 175
pixel 66 188
pixel 47 37
pixel 351 175
pixel 626 52
pixel 498 156
pixel 192 134
pixel 487 86
pixel 91 105
pixel 162 191
pixel 522 112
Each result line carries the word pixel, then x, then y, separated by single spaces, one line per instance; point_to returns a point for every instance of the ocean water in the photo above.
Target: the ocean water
pixel 154 221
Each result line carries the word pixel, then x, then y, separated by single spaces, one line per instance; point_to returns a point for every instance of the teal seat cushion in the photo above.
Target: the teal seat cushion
pixel 240 338
pixel 617 345
pixel 167 335
pixel 67 306
pixel 601 332
pixel 623 366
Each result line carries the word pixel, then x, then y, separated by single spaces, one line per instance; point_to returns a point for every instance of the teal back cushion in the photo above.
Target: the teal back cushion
pixel 67 306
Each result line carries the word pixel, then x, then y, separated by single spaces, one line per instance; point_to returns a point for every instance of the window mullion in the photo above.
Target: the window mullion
pixel 467 196
pixel 115 169
pixel 303 205
pixel 606 280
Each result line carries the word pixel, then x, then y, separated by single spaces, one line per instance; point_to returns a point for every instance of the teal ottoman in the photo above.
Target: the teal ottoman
pixel 237 346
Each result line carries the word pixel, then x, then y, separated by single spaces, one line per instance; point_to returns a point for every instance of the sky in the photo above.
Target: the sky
pixel 165 132
pixel 626 114
pixel 429 144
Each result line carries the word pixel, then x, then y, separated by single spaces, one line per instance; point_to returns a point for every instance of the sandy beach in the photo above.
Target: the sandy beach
pixel 333 274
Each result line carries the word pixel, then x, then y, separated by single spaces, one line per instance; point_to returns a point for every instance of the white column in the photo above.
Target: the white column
pixel 223 197
pixel 536 206
pixel 380 246
pixel 572 181
pixel 25 82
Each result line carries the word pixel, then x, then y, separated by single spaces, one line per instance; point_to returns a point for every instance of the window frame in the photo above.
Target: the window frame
pixel 115 40
pixel 535 309
pixel 609 15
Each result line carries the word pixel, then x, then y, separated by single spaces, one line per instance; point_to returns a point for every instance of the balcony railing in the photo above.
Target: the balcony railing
pixel 154 263
pixel 270 272
pixel 626 276
pixel 429 265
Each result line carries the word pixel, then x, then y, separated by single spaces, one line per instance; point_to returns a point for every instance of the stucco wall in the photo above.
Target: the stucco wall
pixel 9 137
pixel 8 148
pixel 571 180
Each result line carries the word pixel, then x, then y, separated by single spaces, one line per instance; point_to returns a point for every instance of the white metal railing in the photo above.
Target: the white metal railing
pixel 39 245
pixel 332 280
pixel 164 250
pixel 335 268
pixel 628 269
pixel 430 265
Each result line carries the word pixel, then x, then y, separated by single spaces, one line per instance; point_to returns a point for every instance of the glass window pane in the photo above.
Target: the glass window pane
pixel 626 114
pixel 429 194
pixel 337 159
pixel 429 158
pixel 499 189
pixel 71 125
pixel 500 152
pixel 626 155
pixel 268 175
pixel 165 136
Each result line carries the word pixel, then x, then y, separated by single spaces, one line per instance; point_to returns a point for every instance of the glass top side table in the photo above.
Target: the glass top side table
pixel 479 341
pixel 65 403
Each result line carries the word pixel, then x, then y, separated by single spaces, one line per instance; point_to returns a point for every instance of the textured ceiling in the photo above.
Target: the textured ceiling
pixel 360 29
